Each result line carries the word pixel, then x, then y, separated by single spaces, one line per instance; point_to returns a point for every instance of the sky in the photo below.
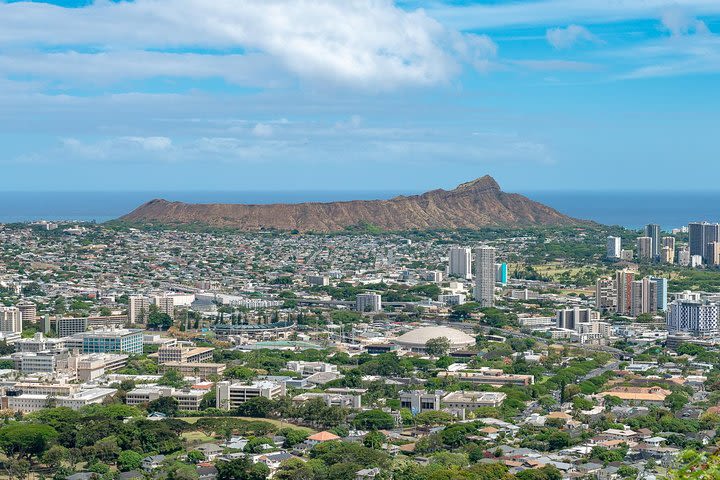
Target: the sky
pixel 162 95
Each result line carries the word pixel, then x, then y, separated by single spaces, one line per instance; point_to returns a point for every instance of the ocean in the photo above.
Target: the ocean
pixel 628 209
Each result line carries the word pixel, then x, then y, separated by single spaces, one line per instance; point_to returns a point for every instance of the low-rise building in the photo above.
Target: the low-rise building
pixel 183 354
pixel 489 376
pixel 473 400
pixel 419 401
pixel 231 395
pixel 189 399
pixel 194 369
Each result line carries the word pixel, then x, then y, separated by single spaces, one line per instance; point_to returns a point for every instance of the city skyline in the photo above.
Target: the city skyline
pixel 275 97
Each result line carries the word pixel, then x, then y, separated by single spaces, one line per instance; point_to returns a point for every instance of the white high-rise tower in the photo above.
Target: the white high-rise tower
pixel 485 276
pixel 460 263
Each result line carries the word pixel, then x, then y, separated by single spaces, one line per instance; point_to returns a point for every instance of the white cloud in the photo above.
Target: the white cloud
pixel 262 130
pixel 561 38
pixel 154 144
pixel 678 22
pixel 361 43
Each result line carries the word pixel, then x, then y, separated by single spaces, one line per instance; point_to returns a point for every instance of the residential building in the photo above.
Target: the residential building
pixel 697 318
pixel 138 309
pixel 644 248
pixel 165 304
pixel 614 247
pixel 485 276
pixel 667 250
pixel 623 283
pixel 501 273
pixel 28 312
pixel 460 262
pixel 701 234
pixel 684 257
pixel 368 302
pixel 452 299
pixel 318 280
pixel 569 318
pixel 653 232
pixel 10 320
pixel 713 254
pixel 606 295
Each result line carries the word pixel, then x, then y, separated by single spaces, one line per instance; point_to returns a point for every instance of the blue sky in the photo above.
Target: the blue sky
pixel 359 94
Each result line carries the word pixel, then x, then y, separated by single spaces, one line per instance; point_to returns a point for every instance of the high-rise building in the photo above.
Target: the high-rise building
pixel 138 309
pixel 684 257
pixel 10 320
pixel 485 276
pixel 614 247
pixel 606 295
pixel 639 292
pixel 701 234
pixel 165 304
pixel 368 302
pixel 460 262
pixel 653 231
pixel 667 255
pixel 713 254
pixel 501 273
pixel 649 295
pixel 644 248
pixel 661 293
pixel 569 318
pixel 28 312
pixel 623 282
pixel 697 318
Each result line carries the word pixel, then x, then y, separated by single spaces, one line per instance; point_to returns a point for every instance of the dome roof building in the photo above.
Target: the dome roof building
pixel 416 339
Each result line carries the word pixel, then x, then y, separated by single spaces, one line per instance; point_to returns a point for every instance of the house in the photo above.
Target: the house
pixel 209 450
pixel 83 476
pixel 131 475
pixel 236 443
pixel 206 471
pixel 152 462
pixel 272 460
pixel 320 437
pixel 367 473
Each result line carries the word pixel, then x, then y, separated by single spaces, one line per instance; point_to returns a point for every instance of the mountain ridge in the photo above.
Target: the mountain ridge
pixel 475 204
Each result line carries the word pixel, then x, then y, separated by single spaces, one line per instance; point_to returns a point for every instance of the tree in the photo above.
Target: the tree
pixel 374 420
pixel 434 417
pixel 195 456
pixel 167 405
pixel 437 347
pixel 129 460
pixel 26 440
pixel 173 378
pixel 258 407
pixel 374 439
pixel 158 319
pixel 242 469
pixel 54 456
pixel 676 401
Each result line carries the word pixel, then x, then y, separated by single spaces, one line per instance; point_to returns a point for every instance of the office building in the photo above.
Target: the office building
pixel 188 399
pixel 501 273
pixel 38 343
pixel 473 400
pixel 112 340
pixel 485 276
pixel 644 248
pixel 138 309
pixel 460 262
pixel 614 247
pixel 10 320
pixel 418 401
pixel 229 396
pixel 653 232
pixel 184 354
pixel 194 369
pixel 697 318
pixel 368 302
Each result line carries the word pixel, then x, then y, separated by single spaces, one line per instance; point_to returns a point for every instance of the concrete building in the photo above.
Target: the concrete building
pixel 419 401
pixel 460 262
pixel 473 400
pixel 309 368
pixel 184 354
pixel 32 402
pixel 165 304
pixel 644 249
pixel 189 399
pixel 112 340
pixel 653 232
pixel 28 312
pixel 713 254
pixel 193 369
pixel 67 327
pixel 614 247
pixel 344 400
pixel 701 234
pixel 416 340
pixel 485 276
pixel 489 376
pixel 138 309
pixel 623 283
pixel 38 343
pixel 697 318
pixel 10 320
pixel 368 302
pixel 569 318
pixel 684 257
pixel 667 250
pixel 452 299
pixel 606 295
pixel 318 280
pixel 231 395
pixel 501 273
